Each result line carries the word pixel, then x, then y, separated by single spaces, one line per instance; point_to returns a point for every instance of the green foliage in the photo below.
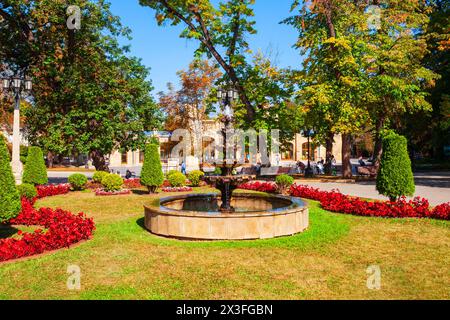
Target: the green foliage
pixel 195 177
pixel 10 204
pixel 78 181
pixel 89 95
pixel 35 171
pixel 27 190
pixel 395 177
pixel 177 179
pixel 23 154
pixel 152 175
pixel 284 182
pixel 171 172
pixel 112 182
pixel 217 171
pixel 99 175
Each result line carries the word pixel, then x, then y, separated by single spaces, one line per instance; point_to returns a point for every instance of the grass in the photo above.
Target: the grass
pixel 329 261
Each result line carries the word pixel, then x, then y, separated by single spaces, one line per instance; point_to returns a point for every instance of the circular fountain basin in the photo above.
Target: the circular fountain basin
pixel 197 217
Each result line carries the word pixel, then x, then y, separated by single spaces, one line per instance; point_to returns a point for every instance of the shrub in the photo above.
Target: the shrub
pixel 152 176
pixel 35 171
pixel 23 154
pixel 10 204
pixel 284 182
pixel 177 179
pixel 78 181
pixel 171 172
pixel 395 178
pixel 112 182
pixel 195 177
pixel 99 175
pixel 28 191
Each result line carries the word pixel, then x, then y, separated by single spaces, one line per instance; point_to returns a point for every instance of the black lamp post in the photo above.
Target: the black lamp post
pixel 16 85
pixel 309 133
pixel 227 96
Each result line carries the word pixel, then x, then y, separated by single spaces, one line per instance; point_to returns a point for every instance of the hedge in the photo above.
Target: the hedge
pixel 35 171
pixel 10 204
pixel 395 178
pixel 152 175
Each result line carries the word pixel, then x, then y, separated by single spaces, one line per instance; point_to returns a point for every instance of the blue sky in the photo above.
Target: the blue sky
pixel 161 49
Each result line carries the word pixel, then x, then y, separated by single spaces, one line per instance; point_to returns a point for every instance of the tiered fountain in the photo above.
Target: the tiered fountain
pixel 228 216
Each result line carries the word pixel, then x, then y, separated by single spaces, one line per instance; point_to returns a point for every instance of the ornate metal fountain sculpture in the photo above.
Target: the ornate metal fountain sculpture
pixel 227 182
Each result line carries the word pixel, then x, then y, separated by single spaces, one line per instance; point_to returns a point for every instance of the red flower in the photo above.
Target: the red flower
pixel 63 228
pixel 337 202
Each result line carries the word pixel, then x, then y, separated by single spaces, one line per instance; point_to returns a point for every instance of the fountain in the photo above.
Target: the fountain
pixel 228 216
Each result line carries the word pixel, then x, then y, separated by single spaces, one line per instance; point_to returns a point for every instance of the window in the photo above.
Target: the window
pixel 305 151
pixel 288 152
pixel 124 157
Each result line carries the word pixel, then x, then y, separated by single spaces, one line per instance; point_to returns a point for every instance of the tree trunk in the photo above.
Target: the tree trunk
pixel 50 158
pixel 346 154
pixel 329 152
pixel 99 161
pixel 378 147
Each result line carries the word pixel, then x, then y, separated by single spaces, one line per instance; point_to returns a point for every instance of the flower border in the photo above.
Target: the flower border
pixel 63 228
pixel 335 201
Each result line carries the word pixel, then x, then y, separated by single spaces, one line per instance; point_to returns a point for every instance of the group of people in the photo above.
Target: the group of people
pixel 319 166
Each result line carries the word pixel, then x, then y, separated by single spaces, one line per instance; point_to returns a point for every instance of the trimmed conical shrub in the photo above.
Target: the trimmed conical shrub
pixel 395 177
pixel 35 171
pixel 10 204
pixel 152 176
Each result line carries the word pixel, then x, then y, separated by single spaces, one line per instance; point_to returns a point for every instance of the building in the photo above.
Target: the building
pixel 295 151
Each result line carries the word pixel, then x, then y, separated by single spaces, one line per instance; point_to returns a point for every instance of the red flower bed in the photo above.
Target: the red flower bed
pixel 132 183
pixel 101 192
pixel 52 190
pixel 268 187
pixel 177 189
pixel 62 228
pixel 337 202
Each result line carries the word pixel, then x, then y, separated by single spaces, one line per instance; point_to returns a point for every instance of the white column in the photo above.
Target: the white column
pixel 16 165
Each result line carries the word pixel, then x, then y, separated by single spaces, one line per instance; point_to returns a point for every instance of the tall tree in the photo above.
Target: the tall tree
pixel 221 31
pixel 89 97
pixel 189 106
pixel 331 80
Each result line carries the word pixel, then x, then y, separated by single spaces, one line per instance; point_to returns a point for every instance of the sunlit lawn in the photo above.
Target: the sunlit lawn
pixel 329 261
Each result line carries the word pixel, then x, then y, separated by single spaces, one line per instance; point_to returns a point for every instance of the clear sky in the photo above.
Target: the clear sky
pixel 162 50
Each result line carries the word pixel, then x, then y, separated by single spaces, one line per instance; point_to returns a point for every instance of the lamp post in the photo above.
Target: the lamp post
pixel 308 133
pixel 227 96
pixel 16 85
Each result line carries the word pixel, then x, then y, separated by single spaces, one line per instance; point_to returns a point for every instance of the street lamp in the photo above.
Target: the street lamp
pixel 227 96
pixel 308 133
pixel 16 85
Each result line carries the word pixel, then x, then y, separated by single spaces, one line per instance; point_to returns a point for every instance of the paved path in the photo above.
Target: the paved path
pixel 434 186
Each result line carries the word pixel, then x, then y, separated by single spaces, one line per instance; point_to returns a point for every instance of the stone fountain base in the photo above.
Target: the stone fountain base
pixel 256 217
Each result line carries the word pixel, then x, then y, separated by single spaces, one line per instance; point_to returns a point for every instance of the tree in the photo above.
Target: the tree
pixel 397 78
pixel 188 107
pixel 89 96
pixel 152 176
pixel 359 76
pixel 331 82
pixel 10 204
pixel 35 171
pixel 395 178
pixel 221 32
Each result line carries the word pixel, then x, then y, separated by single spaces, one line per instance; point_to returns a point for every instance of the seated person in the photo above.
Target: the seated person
pixel 361 162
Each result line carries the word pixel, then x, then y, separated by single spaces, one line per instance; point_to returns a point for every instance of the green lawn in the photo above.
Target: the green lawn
pixel 329 261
